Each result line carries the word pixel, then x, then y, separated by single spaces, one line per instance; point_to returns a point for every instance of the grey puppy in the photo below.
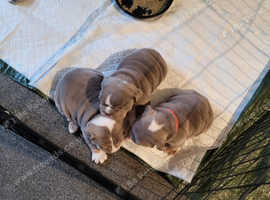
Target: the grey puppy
pixel 181 115
pixel 76 97
pixel 136 77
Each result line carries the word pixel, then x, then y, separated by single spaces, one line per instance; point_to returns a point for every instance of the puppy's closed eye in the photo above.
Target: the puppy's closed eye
pixel 107 104
pixel 114 108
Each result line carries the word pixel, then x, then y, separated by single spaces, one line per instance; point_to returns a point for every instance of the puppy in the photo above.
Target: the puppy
pixel 181 115
pixel 136 77
pixel 105 135
pixel 76 97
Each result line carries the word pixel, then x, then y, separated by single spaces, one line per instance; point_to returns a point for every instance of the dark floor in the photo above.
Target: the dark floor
pixel 29 172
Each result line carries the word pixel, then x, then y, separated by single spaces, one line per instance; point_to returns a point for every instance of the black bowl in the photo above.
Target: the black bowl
pixel 143 9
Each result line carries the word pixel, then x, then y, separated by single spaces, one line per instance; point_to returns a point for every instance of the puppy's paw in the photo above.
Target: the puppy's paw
pixel 168 149
pixel 171 151
pixel 99 156
pixel 72 127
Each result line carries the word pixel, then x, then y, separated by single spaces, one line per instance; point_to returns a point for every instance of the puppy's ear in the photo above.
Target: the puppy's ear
pixel 138 95
pixel 136 92
pixel 104 91
pixel 103 84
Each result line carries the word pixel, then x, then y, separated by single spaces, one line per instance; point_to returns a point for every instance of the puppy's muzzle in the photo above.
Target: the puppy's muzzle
pixel 106 110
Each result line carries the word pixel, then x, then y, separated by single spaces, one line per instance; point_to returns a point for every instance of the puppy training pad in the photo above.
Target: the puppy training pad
pixel 219 48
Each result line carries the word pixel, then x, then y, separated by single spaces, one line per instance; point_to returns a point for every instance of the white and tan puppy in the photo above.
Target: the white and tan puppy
pixel 76 97
pixel 181 115
pixel 133 83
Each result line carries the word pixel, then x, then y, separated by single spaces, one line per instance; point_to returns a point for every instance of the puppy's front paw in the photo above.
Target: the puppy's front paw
pixel 171 152
pixel 99 156
pixel 168 149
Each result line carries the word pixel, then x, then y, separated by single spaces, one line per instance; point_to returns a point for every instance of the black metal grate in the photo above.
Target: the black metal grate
pixel 236 169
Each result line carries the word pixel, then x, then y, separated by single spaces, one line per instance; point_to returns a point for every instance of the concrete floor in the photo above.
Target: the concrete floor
pixel 29 172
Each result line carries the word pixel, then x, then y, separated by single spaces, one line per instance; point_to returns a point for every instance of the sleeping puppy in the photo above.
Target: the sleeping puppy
pixel 137 76
pixel 76 97
pixel 166 126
